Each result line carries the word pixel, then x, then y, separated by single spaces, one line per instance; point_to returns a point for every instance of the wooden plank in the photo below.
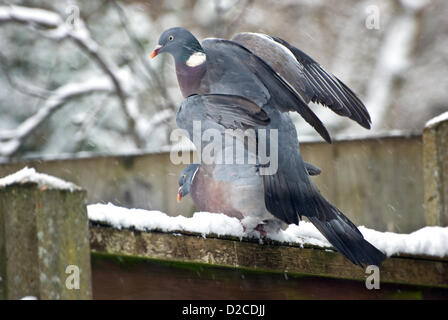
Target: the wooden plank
pixel 124 277
pixel 271 257
pixel 376 182
pixel 435 155
pixel 146 181
pixel 43 241
pixel 370 181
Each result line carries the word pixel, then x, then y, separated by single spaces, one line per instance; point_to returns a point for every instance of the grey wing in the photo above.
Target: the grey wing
pixel 235 68
pixel 279 58
pixel 230 111
pixel 233 112
pixel 312 169
pixel 306 76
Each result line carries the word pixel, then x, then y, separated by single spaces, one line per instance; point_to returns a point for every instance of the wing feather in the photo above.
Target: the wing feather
pixel 282 95
pixel 306 76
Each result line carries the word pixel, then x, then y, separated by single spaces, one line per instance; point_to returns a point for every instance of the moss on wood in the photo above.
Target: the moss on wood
pixel 192 249
pixel 42 231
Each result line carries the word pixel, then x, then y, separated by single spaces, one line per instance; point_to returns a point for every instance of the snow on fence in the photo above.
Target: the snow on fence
pixel 428 241
pixel 46 246
pixel 370 180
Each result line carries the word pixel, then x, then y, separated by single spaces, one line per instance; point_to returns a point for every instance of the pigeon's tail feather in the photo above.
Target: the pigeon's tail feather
pixel 344 235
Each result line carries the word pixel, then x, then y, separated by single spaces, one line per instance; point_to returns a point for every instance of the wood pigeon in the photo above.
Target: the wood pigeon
pixel 226 85
pixel 186 178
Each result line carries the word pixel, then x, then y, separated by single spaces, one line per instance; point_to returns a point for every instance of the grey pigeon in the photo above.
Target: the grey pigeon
pixel 187 175
pixel 228 86
pixel 185 180
pixel 236 189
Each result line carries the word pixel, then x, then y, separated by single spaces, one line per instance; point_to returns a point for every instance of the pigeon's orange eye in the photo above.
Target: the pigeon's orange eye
pixel 171 38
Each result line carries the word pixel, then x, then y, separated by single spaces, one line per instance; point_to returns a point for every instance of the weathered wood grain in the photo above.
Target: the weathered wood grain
pixel 435 155
pixel 272 257
pixel 376 182
pixel 123 277
pixel 42 232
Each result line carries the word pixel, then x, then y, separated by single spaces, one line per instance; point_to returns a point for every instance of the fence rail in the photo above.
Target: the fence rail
pixel 377 182
pixel 370 180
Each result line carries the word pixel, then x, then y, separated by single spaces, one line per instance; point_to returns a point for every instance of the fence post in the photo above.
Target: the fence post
pixel 435 169
pixel 44 242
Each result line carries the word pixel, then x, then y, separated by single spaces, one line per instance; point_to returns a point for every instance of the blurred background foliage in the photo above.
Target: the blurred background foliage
pixel 396 63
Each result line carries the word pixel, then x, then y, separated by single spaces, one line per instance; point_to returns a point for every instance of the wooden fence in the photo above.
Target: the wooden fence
pixel 376 182
pixel 388 183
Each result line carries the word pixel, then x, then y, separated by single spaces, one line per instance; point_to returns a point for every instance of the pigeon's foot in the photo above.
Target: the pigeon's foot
pixel 260 229
pixel 254 226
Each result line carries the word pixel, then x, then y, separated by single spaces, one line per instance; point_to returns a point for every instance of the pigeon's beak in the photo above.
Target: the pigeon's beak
pixel 179 195
pixel 155 51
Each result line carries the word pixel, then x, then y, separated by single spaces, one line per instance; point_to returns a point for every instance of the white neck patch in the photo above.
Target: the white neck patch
pixel 196 59
pixel 194 174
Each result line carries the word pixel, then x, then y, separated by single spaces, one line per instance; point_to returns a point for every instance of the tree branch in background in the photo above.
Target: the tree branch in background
pixel 13 139
pixel 231 27
pixel 157 83
pixel 223 27
pixel 22 87
pixel 87 124
pixel 51 25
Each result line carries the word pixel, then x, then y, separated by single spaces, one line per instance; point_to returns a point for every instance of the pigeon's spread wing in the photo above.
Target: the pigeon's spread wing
pixel 329 90
pixel 230 111
pixel 233 111
pixel 231 65
pixel 305 75
pixel 279 58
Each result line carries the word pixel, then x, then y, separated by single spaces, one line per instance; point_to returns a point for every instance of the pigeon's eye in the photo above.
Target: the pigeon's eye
pixel 171 38
pixel 184 176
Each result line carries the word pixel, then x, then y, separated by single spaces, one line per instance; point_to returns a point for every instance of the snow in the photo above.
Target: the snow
pixel 432 241
pixel 30 15
pixel 145 127
pixel 435 121
pixel 61 95
pixel 414 4
pixel 393 60
pixel 201 222
pixel 8 147
pixel 29 175
pixel 119 80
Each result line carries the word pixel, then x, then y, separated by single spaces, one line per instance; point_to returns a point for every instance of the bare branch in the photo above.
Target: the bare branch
pixel 236 21
pixel 50 24
pixel 82 38
pixel 31 16
pixel 22 87
pixel 87 124
pixel 141 53
pixel 13 139
pixel 224 28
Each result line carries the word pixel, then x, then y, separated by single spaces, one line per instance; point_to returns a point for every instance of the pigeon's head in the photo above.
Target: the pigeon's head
pixel 179 42
pixel 186 179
